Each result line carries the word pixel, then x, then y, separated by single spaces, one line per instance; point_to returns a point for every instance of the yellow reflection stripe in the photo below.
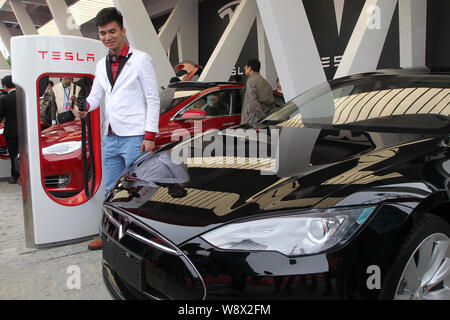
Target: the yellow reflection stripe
pixel 437 100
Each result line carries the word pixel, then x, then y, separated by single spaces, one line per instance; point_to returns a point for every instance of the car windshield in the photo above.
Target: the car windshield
pixel 377 101
pixel 171 97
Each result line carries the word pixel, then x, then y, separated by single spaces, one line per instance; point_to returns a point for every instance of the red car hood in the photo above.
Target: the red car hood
pixel 69 131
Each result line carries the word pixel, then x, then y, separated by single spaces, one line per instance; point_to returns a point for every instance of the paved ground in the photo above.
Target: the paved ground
pixel 30 274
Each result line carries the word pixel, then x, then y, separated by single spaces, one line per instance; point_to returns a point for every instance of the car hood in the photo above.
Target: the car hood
pixel 69 131
pixel 310 168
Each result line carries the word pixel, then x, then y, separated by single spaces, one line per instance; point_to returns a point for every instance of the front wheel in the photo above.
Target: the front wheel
pixel 422 268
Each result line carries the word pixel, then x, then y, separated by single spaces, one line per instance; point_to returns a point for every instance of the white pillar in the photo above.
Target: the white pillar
pixel 25 22
pixel 183 23
pixel 3 63
pixel 413 33
pixel 63 18
pixel 227 51
pixel 268 70
pixel 366 43
pixel 339 10
pixel 142 35
pixel 6 37
pixel 292 44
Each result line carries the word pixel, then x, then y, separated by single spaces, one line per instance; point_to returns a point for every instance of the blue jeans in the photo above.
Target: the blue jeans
pixel 117 154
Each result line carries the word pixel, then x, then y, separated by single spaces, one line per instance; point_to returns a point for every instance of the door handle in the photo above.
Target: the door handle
pixel 227 124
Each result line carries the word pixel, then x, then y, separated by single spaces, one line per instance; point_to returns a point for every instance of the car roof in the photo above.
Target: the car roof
pixel 403 72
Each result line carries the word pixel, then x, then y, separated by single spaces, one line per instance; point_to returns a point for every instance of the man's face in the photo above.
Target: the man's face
pixel 112 36
pixel 214 99
pixel 67 81
pixel 248 70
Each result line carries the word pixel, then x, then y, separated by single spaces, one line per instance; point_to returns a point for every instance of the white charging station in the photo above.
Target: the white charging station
pixel 49 222
pixel 5 164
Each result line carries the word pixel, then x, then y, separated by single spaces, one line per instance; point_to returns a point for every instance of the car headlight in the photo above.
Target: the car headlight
pixel 2 130
pixel 62 148
pixel 294 234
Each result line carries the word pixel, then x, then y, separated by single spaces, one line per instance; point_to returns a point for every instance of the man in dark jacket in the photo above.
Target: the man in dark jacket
pixel 258 96
pixel 8 111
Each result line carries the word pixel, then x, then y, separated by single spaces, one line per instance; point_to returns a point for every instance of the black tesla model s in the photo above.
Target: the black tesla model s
pixel 342 193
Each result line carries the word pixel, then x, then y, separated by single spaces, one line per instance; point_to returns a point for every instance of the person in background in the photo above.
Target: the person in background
pixel 8 111
pixel 47 106
pixel 131 113
pixel 65 93
pixel 166 95
pixel 258 95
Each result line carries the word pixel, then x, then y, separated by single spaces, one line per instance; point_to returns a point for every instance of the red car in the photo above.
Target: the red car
pixel 4 155
pixel 62 159
pixel 216 105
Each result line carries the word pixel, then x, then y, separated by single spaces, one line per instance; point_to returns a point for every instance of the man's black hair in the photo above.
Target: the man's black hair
pixel 174 80
pixel 51 83
pixel 254 64
pixel 235 78
pixel 108 15
pixel 7 82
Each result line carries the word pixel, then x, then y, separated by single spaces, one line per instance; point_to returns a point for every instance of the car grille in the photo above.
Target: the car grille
pixel 57 181
pixel 145 260
pixel 4 152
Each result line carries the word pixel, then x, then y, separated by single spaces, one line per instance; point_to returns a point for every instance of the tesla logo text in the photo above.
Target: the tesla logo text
pixel 67 56
pixel 328 62
pixel 74 280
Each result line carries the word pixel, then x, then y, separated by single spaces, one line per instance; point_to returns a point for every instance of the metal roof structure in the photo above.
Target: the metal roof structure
pixel 37 9
pixel 83 12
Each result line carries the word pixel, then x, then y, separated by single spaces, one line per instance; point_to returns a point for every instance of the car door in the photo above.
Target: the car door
pixel 213 110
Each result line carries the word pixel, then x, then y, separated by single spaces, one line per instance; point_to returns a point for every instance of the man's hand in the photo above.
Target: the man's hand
pixel 147 145
pixel 78 113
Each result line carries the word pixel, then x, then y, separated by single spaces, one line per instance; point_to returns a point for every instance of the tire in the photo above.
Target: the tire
pixel 421 270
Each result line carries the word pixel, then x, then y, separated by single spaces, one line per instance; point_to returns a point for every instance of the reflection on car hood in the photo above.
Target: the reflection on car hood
pixel 69 131
pixel 313 169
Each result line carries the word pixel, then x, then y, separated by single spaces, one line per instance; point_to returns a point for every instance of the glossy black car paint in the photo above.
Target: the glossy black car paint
pixel 404 175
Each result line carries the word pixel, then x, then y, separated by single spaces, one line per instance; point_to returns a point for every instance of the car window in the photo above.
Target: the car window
pixel 218 103
pixel 170 98
pixel 396 102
